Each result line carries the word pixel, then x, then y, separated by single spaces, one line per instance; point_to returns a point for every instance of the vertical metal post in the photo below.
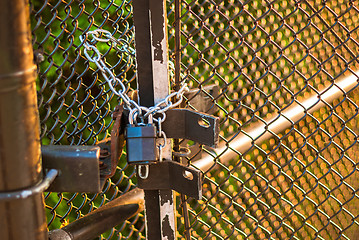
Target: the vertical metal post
pixel 20 163
pixel 176 142
pixel 177 43
pixel 150 21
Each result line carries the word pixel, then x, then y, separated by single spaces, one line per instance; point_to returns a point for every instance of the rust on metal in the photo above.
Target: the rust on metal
pixel 143 51
pixel 111 148
pixel 117 138
pixel 153 85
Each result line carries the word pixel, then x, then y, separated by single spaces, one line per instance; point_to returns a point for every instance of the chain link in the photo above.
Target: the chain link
pixel 136 111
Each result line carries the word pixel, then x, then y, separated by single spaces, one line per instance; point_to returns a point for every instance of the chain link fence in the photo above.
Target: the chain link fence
pixel 294 180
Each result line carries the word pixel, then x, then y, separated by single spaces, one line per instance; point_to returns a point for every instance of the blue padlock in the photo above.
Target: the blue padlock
pixel 141 142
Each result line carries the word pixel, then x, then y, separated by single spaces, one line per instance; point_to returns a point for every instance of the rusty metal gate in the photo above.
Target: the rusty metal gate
pixel 286 166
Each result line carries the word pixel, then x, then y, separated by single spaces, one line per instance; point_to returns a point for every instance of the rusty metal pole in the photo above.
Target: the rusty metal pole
pixel 20 161
pixel 150 20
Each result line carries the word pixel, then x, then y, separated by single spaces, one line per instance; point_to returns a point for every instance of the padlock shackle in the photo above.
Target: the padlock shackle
pixel 134 114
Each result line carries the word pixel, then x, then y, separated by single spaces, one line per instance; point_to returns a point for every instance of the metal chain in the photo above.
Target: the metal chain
pixel 136 111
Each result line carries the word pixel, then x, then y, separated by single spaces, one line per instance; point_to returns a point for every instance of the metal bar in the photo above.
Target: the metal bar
pixel 145 93
pixel 141 15
pixel 159 49
pixel 103 218
pixel 143 51
pixel 278 123
pixel 151 14
pixel 20 159
pixel 78 165
pixel 161 90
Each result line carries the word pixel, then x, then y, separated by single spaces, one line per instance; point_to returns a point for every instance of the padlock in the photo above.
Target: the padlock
pixel 141 142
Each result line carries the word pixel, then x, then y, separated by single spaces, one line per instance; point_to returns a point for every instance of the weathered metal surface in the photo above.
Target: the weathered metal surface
pixel 111 148
pixel 20 159
pixel 59 234
pixel 141 16
pixel 191 125
pixel 175 176
pixel 103 218
pixel 117 139
pixel 105 160
pixel 153 84
pixel 265 57
pixel 78 167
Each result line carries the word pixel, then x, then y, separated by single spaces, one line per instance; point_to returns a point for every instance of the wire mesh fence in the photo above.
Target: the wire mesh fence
pixel 75 105
pixel 295 180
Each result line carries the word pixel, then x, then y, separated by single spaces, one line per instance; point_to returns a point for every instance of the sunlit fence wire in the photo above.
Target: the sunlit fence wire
pixel 266 57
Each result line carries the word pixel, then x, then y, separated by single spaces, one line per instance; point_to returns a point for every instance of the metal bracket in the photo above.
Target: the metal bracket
pixel 191 125
pixel 117 139
pixel 78 167
pixel 38 188
pixel 108 158
pixel 175 176
pixel 203 99
pixel 111 148
pixel 105 161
